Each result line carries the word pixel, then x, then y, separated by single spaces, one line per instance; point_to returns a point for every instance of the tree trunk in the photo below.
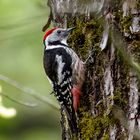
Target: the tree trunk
pixel 107 38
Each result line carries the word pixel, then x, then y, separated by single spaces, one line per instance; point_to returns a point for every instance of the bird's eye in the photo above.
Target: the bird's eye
pixel 58 31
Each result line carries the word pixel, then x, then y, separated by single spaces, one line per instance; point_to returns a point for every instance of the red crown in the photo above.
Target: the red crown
pixel 49 32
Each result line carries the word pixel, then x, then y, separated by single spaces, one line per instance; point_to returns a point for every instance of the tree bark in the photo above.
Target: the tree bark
pixel 107 38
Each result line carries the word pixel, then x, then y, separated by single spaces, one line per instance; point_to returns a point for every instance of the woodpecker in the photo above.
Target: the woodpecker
pixel 65 70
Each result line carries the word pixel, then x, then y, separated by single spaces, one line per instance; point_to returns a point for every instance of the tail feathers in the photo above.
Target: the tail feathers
pixel 66 103
pixel 72 120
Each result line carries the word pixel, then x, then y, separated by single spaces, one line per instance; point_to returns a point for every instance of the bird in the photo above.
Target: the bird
pixel 65 71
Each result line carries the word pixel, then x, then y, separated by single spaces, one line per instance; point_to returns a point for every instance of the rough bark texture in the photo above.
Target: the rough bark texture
pixel 107 36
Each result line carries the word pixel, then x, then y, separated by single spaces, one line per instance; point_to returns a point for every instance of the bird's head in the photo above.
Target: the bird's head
pixel 56 35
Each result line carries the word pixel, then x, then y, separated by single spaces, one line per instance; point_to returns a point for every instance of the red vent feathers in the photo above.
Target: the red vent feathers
pixel 48 33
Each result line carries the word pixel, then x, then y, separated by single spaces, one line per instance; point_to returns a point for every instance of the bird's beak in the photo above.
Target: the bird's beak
pixel 70 29
pixel 67 31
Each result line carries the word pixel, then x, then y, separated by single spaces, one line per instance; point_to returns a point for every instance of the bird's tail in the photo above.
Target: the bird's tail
pixel 72 119
pixel 66 103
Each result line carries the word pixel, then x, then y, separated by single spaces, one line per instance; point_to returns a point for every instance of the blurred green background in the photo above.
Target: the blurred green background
pixel 21 52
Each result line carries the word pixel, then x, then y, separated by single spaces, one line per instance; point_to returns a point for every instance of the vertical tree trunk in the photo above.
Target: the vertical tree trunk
pixel 107 38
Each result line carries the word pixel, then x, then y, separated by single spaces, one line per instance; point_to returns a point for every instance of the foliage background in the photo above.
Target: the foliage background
pixel 21 52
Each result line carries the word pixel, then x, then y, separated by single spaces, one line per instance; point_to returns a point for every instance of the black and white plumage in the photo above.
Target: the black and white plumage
pixel 63 67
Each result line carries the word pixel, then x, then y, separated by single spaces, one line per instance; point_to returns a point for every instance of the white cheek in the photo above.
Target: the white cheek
pixel 64 41
pixel 53 38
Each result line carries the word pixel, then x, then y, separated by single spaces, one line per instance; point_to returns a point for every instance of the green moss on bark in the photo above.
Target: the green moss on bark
pixel 86 36
pixel 97 126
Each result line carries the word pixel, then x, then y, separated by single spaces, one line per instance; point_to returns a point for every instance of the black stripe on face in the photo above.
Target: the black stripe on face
pixel 57 43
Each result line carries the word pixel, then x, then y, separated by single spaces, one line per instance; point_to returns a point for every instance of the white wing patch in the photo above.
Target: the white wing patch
pixel 60 68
